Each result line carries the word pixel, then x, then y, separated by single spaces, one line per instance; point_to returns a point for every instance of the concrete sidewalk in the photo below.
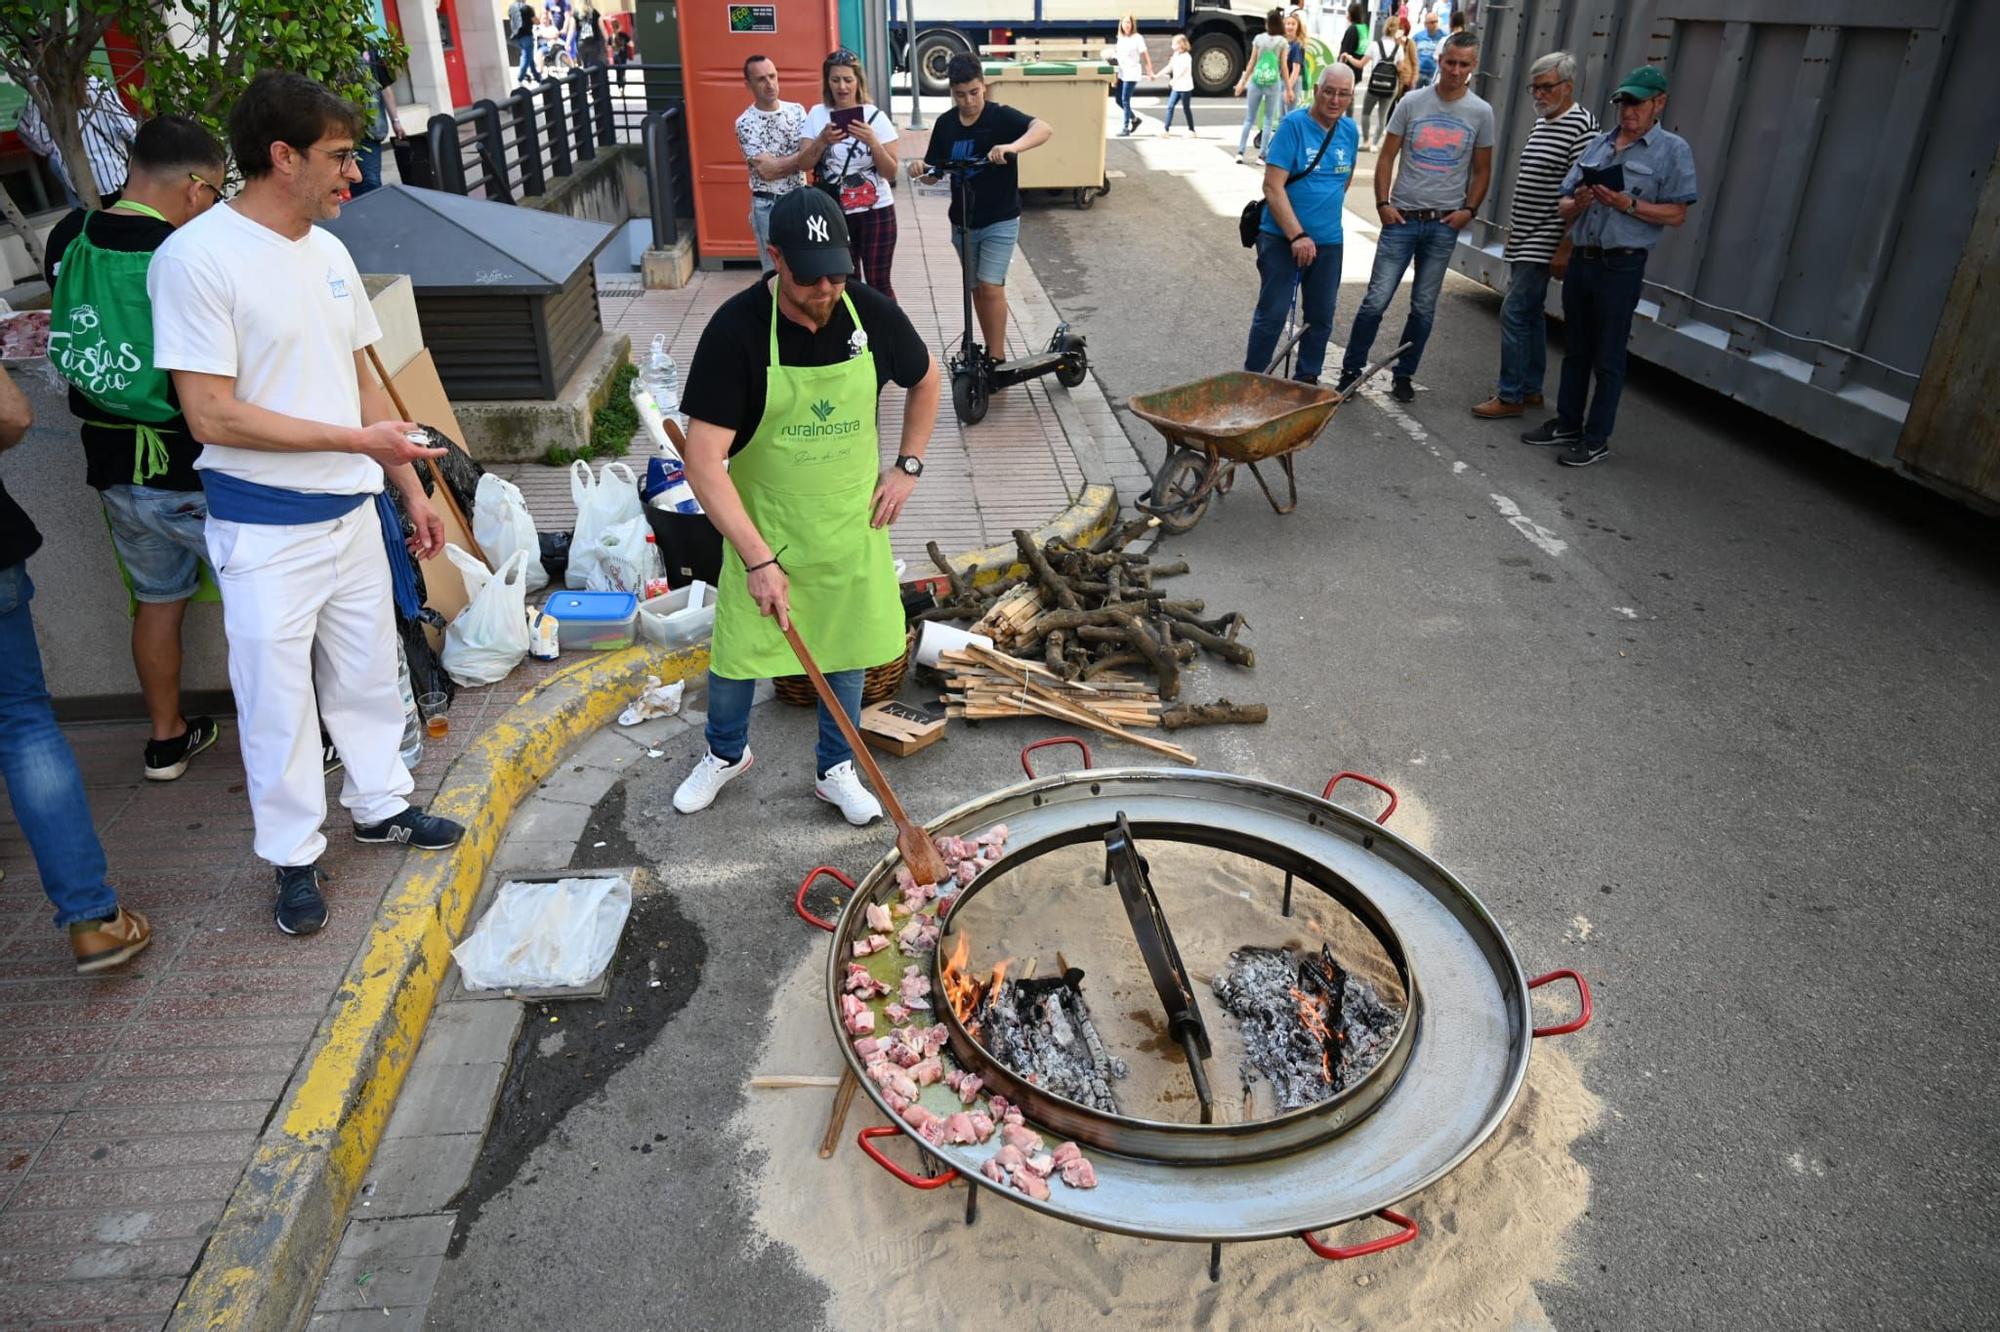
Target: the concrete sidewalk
pixel 133 1105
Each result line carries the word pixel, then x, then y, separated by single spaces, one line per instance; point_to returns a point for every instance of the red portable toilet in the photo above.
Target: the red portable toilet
pixel 716 38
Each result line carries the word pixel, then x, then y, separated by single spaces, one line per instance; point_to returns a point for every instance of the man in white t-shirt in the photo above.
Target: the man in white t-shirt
pixel 262 319
pixel 776 147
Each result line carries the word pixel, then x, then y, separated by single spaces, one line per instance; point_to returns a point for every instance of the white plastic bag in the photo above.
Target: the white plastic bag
pixel 502 525
pixel 490 636
pixel 627 559
pixel 603 502
pixel 545 935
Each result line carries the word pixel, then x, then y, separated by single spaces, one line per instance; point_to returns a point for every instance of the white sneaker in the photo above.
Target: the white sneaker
pixel 698 791
pixel 842 788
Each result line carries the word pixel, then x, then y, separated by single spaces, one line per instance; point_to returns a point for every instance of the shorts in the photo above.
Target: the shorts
pixel 992 250
pixel 161 536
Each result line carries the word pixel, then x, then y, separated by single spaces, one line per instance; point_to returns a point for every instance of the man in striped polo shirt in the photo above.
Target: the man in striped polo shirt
pixel 1537 238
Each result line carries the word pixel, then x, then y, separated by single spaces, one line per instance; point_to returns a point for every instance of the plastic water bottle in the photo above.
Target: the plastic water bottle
pixel 413 724
pixel 663 379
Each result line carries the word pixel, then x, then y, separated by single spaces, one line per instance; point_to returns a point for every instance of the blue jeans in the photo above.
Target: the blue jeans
pixel 1261 100
pixel 1599 296
pixel 729 718
pixel 1185 102
pixel 161 537
pixel 41 774
pixel 1524 332
pixel 1125 87
pixel 368 156
pixel 1319 286
pixel 1429 244
pixel 527 70
pixel 760 227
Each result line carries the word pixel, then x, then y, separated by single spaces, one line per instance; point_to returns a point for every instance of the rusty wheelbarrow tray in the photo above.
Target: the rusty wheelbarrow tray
pixel 1214 425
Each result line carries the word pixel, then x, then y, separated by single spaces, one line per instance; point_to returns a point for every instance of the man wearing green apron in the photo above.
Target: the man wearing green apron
pixel 138 453
pixel 782 451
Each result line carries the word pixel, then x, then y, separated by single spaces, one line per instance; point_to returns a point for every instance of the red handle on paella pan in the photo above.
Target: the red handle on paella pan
pixel 1582 1019
pixel 914 1181
pixel 1053 740
pixel 799 899
pixel 1365 780
pixel 1336 1253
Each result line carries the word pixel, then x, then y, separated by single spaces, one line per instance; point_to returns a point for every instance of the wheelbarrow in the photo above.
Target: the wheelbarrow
pixel 1241 418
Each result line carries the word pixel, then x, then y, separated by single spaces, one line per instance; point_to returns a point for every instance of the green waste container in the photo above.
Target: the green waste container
pixel 1071 97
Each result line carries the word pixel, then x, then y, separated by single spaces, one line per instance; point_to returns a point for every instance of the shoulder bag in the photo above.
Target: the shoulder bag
pixel 1252 220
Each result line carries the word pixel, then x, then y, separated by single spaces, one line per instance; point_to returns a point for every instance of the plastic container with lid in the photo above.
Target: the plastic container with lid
pixel 683 616
pixel 594 621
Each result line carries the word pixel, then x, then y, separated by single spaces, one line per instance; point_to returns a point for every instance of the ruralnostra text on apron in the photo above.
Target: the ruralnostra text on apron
pixel 806 477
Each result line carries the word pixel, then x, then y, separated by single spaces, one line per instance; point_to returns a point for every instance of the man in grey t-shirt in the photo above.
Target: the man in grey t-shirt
pixel 1434 169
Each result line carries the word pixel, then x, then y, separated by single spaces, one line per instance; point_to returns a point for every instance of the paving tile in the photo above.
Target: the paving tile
pixel 178 1091
pixel 136 1153
pixel 470 1032
pixel 79 1300
pixel 416 1176
pixel 213 1115
pixel 398 1236
pixel 125 1188
pixel 168 1258
pixel 439 1098
pixel 378 1281
pixel 409 1319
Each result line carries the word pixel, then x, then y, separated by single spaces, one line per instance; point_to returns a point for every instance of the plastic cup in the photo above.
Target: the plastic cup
pixel 432 707
pixel 938 638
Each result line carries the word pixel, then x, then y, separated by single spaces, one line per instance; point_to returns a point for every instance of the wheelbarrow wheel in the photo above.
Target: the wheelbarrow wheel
pixel 968 397
pixel 1181 478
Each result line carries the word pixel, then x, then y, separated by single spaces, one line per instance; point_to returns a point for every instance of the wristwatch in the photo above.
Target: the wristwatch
pixel 1632 206
pixel 908 465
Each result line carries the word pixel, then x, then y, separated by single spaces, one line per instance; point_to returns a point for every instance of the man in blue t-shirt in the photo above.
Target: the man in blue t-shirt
pixel 1299 243
pixel 1428 39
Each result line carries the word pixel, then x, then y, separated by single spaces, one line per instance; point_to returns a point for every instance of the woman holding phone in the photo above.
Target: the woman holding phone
pixel 857 166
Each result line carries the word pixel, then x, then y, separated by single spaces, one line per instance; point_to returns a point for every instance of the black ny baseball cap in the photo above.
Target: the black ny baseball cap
pixel 808 229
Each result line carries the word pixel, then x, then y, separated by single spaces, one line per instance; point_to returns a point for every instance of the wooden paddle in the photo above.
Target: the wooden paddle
pixel 915 844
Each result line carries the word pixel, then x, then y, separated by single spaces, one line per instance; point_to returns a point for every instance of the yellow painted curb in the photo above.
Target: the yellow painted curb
pixel 262 1267
pixel 1085 520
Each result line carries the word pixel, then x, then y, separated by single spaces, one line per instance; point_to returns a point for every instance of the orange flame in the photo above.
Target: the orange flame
pixel 1312 1016
pixel 960 990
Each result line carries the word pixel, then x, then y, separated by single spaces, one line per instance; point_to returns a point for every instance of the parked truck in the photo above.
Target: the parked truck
pixel 1219 30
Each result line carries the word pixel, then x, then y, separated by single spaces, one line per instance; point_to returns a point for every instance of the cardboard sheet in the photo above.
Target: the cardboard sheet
pixel 423 394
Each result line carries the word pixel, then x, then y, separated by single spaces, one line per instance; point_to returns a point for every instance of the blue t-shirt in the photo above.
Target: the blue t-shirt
pixel 1316 197
pixel 1427 44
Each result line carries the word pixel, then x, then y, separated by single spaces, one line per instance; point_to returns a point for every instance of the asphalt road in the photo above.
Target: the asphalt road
pixel 1714 721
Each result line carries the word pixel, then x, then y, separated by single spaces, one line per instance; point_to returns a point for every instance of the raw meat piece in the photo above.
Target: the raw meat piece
pixel 982 1127
pixel 849 1006
pixel 953 848
pixel 896 1013
pixel 967 871
pixel 862 985
pixel 1041 1163
pixel 24 335
pixel 953 1076
pixel 1016 1134
pixel 999 1107
pixel 944 903
pixel 874 943
pixel 904 879
pixel 878 916
pixel 1028 1182
pixel 958 1128
pixel 1011 1160
pixel 934 1038
pixel 933 1133
pixel 919 936
pixel 861 1024
pixel 894 1102
pixel 1067 1152
pixel 868 1047
pixel 916 1116
pixel 1013 1116
pixel 914 987
pixel 902 1085
pixel 927 1071
pixel 994 836
pixel 968 1088
pixel 919 1004
pixel 902 1055
pixel 1079 1174
pixel 880 1071
pixel 994 1171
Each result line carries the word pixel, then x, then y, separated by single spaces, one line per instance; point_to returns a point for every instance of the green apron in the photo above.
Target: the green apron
pixel 807 476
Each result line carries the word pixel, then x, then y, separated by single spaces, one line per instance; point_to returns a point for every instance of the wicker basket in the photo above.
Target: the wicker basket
pixel 880 684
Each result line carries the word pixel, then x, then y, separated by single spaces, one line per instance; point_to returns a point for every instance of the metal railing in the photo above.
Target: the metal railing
pixel 669 174
pixel 507 151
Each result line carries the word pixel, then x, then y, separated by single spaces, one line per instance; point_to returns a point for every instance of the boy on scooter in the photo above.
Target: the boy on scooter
pixel 996 133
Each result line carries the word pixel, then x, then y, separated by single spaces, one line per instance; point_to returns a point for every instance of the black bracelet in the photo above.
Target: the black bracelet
pixel 753 568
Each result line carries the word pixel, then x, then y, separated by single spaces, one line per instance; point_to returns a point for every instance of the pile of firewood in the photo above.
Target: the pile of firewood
pixel 1093 616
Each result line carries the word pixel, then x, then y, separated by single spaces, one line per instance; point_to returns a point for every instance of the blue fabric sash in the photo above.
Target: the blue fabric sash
pixel 236 500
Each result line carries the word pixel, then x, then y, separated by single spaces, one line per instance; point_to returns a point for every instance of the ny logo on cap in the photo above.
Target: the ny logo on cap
pixel 816 229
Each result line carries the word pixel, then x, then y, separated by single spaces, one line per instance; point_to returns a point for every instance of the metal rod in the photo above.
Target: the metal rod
pixel 1286 910
pixel 916 82
pixel 971 1202
pixel 1215 1262
pixel 1199 1073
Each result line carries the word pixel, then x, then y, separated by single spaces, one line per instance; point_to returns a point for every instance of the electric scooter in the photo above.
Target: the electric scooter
pixel 975 375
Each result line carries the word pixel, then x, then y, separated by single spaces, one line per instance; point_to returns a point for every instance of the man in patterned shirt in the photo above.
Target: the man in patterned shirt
pixel 1537 239
pixel 772 135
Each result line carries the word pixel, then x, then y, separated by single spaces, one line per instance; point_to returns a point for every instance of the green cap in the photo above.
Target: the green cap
pixel 1642 84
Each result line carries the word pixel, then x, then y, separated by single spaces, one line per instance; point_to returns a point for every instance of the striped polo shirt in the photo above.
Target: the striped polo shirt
pixel 1533 229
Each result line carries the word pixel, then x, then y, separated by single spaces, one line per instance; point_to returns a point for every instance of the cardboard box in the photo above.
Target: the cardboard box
pixel 902 728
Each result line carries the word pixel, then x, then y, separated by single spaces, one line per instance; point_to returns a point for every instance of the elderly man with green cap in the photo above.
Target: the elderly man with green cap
pixel 1630 185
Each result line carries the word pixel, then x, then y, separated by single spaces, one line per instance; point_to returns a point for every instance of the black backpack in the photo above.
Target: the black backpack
pixel 1382 79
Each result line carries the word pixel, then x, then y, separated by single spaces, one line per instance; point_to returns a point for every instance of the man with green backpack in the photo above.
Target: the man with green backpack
pixel 138 453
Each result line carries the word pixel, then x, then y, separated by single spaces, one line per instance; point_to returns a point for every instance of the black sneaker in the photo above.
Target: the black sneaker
pixel 168 759
pixel 329 757
pixel 425 832
pixel 1346 381
pixel 1551 432
pixel 1402 390
pixel 300 909
pixel 1582 454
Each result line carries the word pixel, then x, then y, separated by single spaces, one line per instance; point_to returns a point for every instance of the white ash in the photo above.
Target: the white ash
pixel 1257 990
pixel 1043 1032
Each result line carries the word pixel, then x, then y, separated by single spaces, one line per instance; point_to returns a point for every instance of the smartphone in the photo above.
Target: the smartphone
pixel 847 115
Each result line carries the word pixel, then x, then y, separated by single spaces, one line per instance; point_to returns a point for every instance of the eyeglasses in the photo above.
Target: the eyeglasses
pixel 343 157
pixel 201 180
pixel 843 57
pixel 1548 87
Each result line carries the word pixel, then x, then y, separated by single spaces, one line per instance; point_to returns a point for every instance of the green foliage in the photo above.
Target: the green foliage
pixel 611 426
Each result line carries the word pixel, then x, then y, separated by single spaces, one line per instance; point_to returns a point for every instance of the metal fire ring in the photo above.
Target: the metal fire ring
pixel 1465 1064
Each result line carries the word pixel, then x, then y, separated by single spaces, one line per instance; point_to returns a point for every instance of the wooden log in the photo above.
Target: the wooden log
pixel 1219 713
pixel 961 583
pixel 1171 569
pixel 1120 537
pixel 1166 667
pixel 1057 586
pixel 1052 652
pixel 1224 648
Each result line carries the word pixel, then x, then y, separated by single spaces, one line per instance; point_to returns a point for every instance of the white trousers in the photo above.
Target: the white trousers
pixel 299 604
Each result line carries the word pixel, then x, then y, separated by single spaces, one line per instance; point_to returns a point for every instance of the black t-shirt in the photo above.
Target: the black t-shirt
pixel 725 385
pixel 996 190
pixel 18 537
pixel 107 453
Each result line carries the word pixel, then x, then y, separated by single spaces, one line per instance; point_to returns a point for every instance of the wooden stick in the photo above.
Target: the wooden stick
pixel 437 475
pixel 919 853
pixel 837 1120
